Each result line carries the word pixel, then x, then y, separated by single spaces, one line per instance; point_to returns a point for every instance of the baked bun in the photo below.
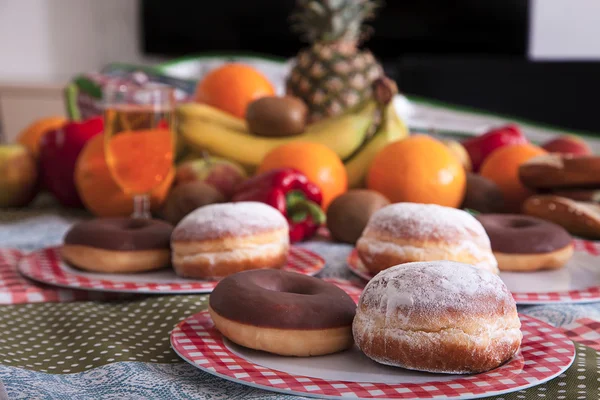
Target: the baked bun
pixel 560 171
pixel 409 232
pixel 221 239
pixel 577 217
pixel 442 317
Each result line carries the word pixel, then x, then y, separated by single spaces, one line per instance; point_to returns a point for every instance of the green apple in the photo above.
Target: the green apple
pixel 18 176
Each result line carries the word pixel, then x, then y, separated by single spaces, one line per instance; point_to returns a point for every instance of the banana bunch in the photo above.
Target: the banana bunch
pixel 205 128
pixel 390 130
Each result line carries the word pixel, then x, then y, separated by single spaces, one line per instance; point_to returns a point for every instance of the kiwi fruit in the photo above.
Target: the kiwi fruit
pixel 348 214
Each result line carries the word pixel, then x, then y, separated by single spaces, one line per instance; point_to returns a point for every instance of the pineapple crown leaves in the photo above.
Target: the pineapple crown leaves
pixel 333 20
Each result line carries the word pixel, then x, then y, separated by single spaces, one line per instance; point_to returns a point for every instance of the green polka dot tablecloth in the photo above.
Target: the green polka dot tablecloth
pixel 83 338
pixel 73 337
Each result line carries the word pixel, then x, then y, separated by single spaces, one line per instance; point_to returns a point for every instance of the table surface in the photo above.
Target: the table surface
pixel 45 226
pixel 153 371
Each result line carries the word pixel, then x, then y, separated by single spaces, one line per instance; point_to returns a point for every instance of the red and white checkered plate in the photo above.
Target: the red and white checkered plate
pixel 46 266
pixel 15 289
pixel 545 353
pixel 576 282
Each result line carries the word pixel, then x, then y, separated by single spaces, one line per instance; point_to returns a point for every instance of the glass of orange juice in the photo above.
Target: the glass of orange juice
pixel 139 139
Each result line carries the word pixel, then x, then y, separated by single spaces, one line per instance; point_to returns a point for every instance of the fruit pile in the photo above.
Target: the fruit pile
pixel 497 156
pixel 335 129
pixel 336 96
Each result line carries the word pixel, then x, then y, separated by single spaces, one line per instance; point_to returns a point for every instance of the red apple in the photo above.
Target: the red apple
pixel 59 150
pixel 222 174
pixel 480 147
pixel 568 144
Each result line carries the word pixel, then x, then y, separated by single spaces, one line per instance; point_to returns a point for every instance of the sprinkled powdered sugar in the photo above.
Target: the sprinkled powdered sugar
pixel 433 287
pixel 424 223
pixel 217 220
pixel 433 306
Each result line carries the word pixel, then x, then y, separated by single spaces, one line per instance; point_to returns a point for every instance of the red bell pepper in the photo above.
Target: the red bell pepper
pixel 290 192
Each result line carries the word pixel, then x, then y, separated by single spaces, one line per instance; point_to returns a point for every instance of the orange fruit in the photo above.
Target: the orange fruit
pixel 99 191
pixel 319 163
pixel 232 87
pixel 31 135
pixel 418 169
pixel 502 167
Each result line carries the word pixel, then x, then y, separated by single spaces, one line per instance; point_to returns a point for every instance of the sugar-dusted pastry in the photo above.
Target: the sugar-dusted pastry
pixel 220 239
pixel 438 316
pixel 407 232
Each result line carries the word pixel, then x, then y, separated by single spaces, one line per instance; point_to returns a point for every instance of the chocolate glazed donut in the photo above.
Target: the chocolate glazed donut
pixel 283 313
pixel 523 243
pixel 118 245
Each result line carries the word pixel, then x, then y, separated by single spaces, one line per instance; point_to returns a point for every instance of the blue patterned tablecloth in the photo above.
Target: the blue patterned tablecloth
pixel 30 230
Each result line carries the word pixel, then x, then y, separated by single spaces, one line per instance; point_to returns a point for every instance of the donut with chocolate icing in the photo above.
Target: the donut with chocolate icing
pixel 283 313
pixel 118 245
pixel 221 239
pixel 524 243
pixel 408 232
pixel 439 316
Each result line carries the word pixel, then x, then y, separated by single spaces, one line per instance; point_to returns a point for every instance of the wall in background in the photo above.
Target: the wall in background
pixel 565 29
pixel 52 40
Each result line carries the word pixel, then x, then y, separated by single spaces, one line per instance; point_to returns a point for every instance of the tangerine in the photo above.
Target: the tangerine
pixel 99 191
pixel 502 167
pixel 418 169
pixel 30 136
pixel 319 163
pixel 231 87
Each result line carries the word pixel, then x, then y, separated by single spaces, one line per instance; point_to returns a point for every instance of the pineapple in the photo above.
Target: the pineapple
pixel 332 74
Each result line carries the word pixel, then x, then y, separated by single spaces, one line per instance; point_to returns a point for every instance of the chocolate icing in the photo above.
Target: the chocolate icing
pixel 121 234
pixel 519 234
pixel 282 299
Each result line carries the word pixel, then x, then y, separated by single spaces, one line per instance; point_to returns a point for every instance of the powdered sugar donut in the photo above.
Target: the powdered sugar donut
pixel 409 232
pixel 440 316
pixel 220 239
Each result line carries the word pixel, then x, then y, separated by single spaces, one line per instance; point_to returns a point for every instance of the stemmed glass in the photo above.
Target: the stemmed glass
pixel 139 139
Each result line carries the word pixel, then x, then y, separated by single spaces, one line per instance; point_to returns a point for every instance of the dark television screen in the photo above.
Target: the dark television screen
pixel 181 27
pixel 470 52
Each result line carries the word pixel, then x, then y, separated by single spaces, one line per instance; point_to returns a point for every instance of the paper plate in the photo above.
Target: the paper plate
pixel 46 266
pixel 576 282
pixel 545 353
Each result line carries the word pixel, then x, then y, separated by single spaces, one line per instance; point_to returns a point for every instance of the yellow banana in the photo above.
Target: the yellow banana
pixel 391 129
pixel 205 128
pixel 196 111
